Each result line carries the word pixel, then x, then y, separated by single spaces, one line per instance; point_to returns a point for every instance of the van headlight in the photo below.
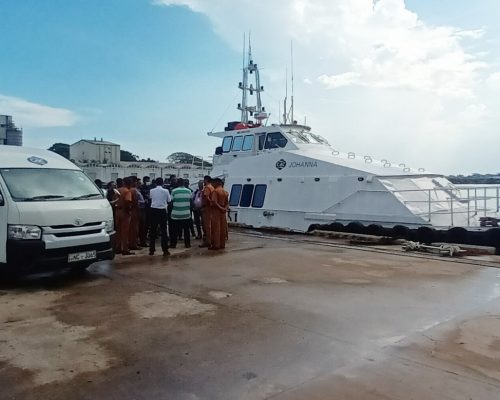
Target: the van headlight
pixel 109 225
pixel 24 232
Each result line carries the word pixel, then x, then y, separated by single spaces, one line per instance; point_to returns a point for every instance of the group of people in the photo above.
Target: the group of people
pixel 170 209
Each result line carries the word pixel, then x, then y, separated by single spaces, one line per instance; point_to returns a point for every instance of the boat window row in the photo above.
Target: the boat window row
pixel 303 137
pixel 271 140
pixel 247 195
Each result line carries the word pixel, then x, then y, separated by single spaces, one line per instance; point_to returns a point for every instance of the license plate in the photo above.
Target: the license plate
pixel 84 255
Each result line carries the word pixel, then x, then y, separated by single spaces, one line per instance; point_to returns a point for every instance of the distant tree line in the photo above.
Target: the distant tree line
pixel 476 179
pixel 60 148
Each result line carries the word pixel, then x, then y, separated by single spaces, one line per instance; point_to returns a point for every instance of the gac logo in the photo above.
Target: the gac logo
pixel 281 164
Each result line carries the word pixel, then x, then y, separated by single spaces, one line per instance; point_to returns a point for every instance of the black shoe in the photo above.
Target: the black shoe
pixel 166 253
pixel 188 246
pixel 151 253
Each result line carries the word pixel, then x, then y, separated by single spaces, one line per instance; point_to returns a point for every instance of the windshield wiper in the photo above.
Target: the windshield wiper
pixel 43 197
pixel 86 196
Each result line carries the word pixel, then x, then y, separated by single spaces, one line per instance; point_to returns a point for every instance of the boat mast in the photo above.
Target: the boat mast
pixel 242 86
pixel 288 113
pixel 258 112
pixel 285 110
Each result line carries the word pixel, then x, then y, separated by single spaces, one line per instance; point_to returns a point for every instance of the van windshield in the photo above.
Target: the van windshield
pixel 31 184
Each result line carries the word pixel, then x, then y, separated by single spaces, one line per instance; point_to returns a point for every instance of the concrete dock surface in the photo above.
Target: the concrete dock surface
pixel 273 317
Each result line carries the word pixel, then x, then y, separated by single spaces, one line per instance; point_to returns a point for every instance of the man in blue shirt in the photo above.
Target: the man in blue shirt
pixel 160 198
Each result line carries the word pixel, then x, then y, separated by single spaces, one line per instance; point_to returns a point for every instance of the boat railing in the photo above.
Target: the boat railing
pixel 472 201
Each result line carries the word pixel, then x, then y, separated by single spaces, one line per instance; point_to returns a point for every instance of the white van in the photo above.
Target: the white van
pixel 51 214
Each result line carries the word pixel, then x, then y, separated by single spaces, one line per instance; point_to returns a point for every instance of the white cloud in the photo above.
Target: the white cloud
pixel 336 81
pixel 401 79
pixel 494 80
pixel 381 43
pixel 33 115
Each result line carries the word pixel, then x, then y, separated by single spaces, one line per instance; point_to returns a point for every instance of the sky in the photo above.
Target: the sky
pixel 414 82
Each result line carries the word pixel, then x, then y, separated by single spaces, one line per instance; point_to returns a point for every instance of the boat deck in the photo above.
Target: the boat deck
pixel 274 317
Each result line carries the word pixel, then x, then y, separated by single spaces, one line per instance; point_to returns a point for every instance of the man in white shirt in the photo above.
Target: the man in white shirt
pixel 160 198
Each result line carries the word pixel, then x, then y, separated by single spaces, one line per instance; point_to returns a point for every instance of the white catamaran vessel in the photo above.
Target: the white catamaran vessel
pixel 285 176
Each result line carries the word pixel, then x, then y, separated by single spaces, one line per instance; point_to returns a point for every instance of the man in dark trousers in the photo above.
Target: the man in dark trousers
pixel 160 198
pixel 191 225
pixel 145 211
pixel 181 213
pixel 197 202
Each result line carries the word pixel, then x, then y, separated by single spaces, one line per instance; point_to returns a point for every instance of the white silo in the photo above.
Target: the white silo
pixel 9 133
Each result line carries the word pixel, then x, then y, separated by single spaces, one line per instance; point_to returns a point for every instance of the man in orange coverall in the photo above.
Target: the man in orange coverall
pixel 219 206
pixel 206 211
pixel 123 215
pixel 133 235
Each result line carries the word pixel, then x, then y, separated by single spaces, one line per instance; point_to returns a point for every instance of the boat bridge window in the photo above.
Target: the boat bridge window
pixel 248 143
pixel 259 196
pixel 305 137
pixel 275 140
pixel 246 195
pixel 234 198
pixel 262 140
pixel 237 143
pixel 226 144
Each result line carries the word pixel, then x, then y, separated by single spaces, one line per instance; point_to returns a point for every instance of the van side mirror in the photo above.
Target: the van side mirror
pixel 218 151
pixel 2 201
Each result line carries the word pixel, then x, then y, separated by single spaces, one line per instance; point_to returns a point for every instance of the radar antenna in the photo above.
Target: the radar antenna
pixel 258 111
pixel 288 113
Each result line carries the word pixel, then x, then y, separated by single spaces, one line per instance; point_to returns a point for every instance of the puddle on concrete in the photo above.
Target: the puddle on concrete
pixel 219 295
pixel 54 351
pixel 19 305
pixel 152 304
pixel 31 338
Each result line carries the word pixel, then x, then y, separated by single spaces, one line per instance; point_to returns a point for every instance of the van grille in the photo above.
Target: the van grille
pixel 73 226
pixel 79 233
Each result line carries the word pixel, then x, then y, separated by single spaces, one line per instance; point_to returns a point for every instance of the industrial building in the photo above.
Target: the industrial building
pixel 9 133
pixel 94 151
pixel 101 160
pixel 110 172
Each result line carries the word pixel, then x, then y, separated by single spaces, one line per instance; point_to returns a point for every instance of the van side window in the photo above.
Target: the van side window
pixel 246 196
pixel 237 143
pixel 275 140
pixel 248 143
pixel 262 139
pixel 234 198
pixel 259 195
pixel 226 143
